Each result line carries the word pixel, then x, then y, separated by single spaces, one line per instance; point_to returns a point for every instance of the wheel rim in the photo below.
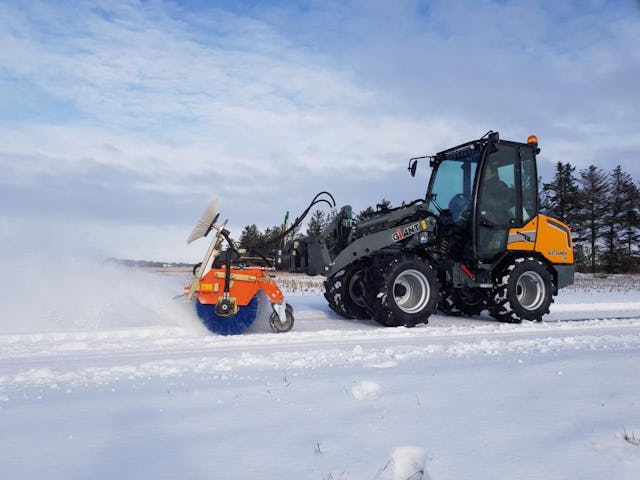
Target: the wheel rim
pixel 530 290
pixel 278 326
pixel 356 289
pixel 411 291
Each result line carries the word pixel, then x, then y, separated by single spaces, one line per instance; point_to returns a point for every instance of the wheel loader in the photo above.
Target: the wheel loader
pixel 477 241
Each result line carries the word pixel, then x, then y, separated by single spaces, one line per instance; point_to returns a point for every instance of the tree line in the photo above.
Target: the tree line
pixel 252 238
pixel 602 209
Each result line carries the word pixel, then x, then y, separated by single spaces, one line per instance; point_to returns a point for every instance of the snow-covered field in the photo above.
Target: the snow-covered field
pixel 105 376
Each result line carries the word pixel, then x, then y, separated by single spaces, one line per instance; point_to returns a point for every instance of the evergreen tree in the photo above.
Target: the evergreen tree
pixel 250 238
pixel 622 201
pixel 370 212
pixel 265 242
pixel 366 213
pixel 317 223
pixel 593 206
pixel 630 236
pixel 560 196
pixel 543 195
pixel 270 240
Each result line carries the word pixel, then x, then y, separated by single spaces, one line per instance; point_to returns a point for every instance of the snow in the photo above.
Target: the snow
pixel 366 390
pixel 408 463
pixel 104 375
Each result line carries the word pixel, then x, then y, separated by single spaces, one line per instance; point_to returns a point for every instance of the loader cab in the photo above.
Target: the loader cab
pixel 484 188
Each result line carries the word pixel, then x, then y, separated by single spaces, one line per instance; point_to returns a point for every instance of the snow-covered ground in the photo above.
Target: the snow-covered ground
pixel 105 376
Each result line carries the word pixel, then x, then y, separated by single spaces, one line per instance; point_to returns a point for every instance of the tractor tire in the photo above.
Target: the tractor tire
pixel 458 302
pixel 345 292
pixel 404 291
pixel 525 292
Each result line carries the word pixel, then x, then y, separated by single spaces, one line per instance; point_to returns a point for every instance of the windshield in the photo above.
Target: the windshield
pixel 452 182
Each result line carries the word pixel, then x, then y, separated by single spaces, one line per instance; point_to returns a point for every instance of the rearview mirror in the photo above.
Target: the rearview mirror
pixel 412 167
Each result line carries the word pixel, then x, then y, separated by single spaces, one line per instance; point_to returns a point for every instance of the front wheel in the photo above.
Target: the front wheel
pixel 404 291
pixel 525 292
pixel 346 290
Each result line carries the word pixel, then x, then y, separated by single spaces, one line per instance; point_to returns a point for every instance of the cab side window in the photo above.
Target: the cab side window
pixel 497 202
pixel 497 195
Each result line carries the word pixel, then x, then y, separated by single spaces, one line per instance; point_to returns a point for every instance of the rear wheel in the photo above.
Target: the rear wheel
pixel 525 292
pixel 345 292
pixel 404 291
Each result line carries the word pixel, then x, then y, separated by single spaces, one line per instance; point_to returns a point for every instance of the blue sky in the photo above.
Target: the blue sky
pixel 119 122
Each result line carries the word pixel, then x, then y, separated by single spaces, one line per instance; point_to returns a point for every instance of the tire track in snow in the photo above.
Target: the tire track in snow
pixel 102 358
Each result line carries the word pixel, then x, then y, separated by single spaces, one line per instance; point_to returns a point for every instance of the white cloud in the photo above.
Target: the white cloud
pixel 144 104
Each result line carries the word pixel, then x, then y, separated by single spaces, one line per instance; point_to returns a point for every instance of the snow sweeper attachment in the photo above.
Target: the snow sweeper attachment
pixel 225 284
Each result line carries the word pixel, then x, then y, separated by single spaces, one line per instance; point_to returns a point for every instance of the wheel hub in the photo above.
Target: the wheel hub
pixel 411 291
pixel 530 290
pixel 357 289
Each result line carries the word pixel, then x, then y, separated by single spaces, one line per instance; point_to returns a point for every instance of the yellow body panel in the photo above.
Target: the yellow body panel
pixel 546 235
